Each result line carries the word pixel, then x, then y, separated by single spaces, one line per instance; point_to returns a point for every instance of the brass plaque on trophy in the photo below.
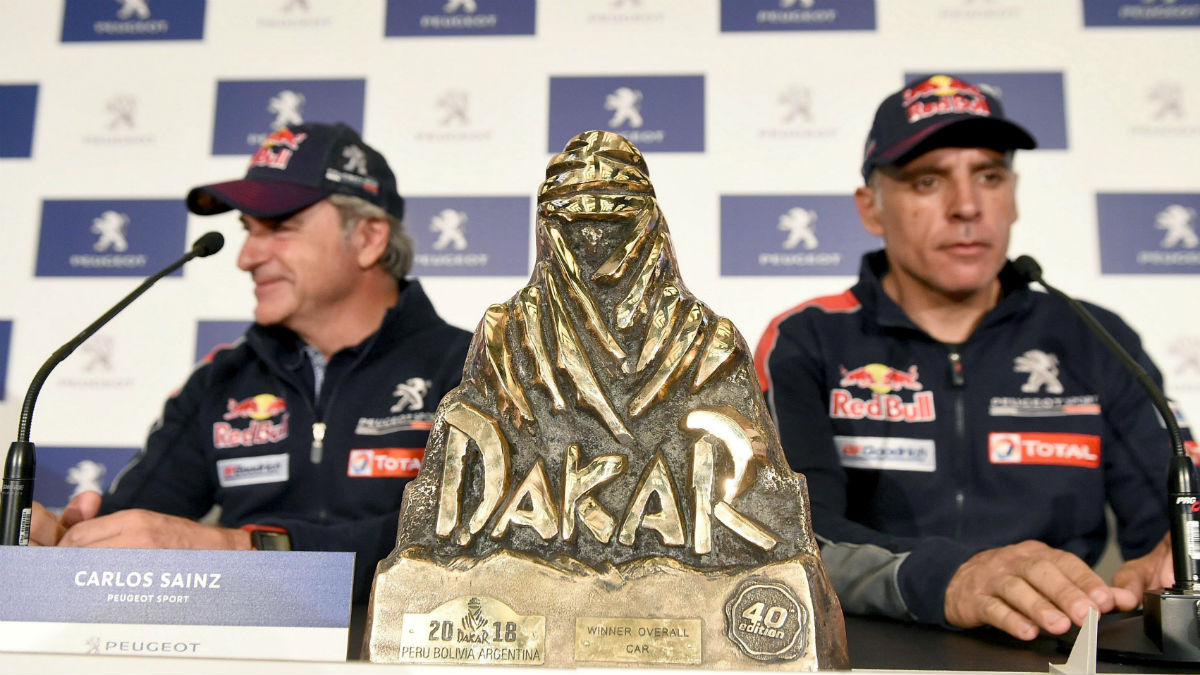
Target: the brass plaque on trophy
pixel 646 641
pixel 473 630
pixel 607 464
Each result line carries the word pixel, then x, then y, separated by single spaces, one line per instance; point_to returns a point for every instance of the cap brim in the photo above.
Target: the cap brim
pixel 261 199
pixel 971 132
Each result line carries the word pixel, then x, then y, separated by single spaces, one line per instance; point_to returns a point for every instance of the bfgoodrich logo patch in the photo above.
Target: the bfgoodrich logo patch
pixel 252 470
pixel 1036 99
pixel 748 15
pixel 1149 233
pixel 791 234
pixel 1141 13
pixel 92 21
pixel 486 236
pixel 19 103
pixel 896 454
pixel 249 110
pixel 414 18
pixel 664 112
pixel 111 238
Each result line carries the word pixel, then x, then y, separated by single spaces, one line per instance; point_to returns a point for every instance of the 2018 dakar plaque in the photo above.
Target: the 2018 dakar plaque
pixel 605 486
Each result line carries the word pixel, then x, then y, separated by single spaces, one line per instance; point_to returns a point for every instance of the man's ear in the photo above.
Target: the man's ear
pixel 868 210
pixel 370 240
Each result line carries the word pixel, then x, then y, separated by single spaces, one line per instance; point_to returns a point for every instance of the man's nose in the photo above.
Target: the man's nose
pixel 965 199
pixel 252 253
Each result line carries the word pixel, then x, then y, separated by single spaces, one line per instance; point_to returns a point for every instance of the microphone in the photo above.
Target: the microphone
pixel 1171 616
pixel 16 490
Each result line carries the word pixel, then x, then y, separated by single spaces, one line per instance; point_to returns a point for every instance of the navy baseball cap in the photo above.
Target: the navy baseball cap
pixel 299 165
pixel 938 112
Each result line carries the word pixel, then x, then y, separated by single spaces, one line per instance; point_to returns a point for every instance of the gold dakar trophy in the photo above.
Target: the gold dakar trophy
pixel 605 487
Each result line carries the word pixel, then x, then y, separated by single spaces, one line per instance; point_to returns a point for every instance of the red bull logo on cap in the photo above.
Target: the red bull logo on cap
pixel 884 405
pixel 942 94
pixel 276 151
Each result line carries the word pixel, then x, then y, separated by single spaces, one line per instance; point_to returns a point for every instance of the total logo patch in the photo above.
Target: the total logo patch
pixel 252 470
pixel 385 463
pixel 1045 448
pixel 884 405
pixel 896 454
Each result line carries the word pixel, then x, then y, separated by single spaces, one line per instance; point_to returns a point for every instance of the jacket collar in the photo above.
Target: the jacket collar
pixel 1015 296
pixel 413 312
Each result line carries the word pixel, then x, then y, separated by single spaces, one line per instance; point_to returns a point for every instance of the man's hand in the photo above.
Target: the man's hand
pixel 1153 570
pixel 46 529
pixel 1022 587
pixel 138 528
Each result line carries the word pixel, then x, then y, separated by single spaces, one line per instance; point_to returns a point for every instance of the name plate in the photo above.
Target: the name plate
pixel 475 629
pixel 631 640
pixel 209 604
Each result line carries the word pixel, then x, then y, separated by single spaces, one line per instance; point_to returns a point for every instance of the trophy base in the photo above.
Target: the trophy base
pixel 515 609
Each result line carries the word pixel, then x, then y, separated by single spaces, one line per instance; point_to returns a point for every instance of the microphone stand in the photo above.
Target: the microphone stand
pixel 1171 616
pixel 16 490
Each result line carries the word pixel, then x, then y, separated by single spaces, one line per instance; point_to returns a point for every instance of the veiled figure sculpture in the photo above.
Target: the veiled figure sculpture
pixel 610 429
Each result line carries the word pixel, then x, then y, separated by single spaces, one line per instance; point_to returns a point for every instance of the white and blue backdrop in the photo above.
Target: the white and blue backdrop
pixel 752 115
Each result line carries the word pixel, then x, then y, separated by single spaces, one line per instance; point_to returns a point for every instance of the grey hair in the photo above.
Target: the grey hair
pixel 397 258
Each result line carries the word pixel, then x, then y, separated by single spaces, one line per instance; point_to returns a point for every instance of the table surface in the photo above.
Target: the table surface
pixel 875 644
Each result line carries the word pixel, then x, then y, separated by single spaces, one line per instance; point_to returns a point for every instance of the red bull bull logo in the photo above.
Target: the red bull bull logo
pixel 884 405
pixel 276 151
pixel 260 407
pixel 259 410
pixel 942 94
pixel 880 378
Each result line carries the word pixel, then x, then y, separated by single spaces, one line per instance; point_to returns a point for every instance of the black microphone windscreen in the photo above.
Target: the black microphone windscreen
pixel 208 244
pixel 1028 268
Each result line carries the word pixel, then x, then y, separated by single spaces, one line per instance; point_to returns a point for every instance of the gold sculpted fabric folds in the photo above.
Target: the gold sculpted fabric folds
pixel 606 477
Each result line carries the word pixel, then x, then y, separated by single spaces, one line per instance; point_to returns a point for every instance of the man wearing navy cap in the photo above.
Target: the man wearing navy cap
pixel 960 432
pixel 305 431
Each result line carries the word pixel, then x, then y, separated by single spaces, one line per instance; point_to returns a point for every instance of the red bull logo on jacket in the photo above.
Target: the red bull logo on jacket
pixel 943 94
pixel 261 407
pixel 884 405
pixel 259 410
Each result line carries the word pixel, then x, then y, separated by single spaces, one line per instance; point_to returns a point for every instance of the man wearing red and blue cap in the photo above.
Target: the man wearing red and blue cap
pixel 961 433
pixel 306 430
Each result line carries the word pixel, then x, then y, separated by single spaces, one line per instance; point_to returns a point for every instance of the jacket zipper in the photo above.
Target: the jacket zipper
pixel 957 382
pixel 318 443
